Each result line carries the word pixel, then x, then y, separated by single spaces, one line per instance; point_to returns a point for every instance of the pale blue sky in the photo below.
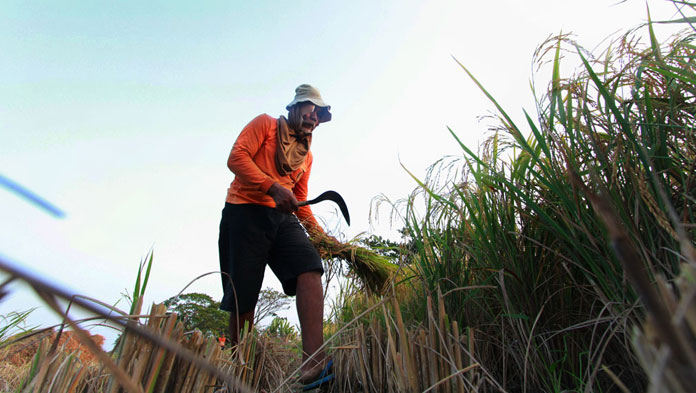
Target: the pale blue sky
pixel 122 113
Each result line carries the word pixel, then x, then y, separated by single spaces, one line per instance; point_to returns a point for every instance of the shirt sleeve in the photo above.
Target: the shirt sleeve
pixel 304 213
pixel 241 161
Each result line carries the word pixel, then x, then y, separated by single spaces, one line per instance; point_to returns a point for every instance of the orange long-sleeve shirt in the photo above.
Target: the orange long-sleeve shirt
pixel 252 160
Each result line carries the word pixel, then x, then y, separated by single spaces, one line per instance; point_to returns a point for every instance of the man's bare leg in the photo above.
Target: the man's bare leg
pixel 237 324
pixel 310 310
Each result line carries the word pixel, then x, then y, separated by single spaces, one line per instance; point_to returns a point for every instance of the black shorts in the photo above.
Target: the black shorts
pixel 252 236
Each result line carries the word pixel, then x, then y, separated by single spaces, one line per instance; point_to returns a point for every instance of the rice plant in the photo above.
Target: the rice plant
pixel 518 250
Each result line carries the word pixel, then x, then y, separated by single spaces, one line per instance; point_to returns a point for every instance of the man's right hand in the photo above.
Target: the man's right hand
pixel 284 199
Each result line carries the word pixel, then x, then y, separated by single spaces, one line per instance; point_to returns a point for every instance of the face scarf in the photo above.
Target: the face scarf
pixel 293 145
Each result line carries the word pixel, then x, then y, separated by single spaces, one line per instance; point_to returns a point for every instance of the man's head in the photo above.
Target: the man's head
pixel 307 110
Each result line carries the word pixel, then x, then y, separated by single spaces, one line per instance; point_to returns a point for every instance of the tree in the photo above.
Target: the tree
pixel 199 311
pixel 270 302
pixel 385 247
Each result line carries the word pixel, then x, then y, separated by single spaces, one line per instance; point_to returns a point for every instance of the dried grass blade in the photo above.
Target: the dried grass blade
pixel 123 378
pixel 41 285
pixel 194 345
pixel 395 358
pixel 362 363
pixel 76 380
pixel 447 378
pixel 470 342
pixel 422 342
pixel 210 347
pixel 444 349
pixel 457 350
pixel 169 361
pixel 159 357
pixel 405 346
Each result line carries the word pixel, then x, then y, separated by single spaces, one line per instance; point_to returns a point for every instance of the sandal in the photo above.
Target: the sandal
pixel 324 377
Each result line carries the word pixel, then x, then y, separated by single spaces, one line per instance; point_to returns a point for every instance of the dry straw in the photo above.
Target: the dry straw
pixel 151 368
pixel 386 355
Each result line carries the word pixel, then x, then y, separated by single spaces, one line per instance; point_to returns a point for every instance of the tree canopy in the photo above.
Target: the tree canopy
pixel 200 311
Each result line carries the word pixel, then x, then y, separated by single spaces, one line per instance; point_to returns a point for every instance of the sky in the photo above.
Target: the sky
pixel 122 114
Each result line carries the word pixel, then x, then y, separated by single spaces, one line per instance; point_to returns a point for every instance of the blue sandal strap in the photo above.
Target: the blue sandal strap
pixel 325 376
pixel 318 383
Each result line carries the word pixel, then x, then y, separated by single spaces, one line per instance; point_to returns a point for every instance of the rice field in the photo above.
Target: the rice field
pixel 558 256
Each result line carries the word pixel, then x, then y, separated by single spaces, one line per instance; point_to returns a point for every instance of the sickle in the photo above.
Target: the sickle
pixel 331 196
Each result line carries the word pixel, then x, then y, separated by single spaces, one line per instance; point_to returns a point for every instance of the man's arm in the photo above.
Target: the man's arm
pixel 241 162
pixel 304 213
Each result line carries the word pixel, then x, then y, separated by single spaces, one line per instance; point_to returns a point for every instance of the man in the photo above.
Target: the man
pixel 271 160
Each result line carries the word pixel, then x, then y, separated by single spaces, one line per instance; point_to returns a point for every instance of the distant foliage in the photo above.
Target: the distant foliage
pixel 384 247
pixel 14 322
pixel 280 327
pixel 269 303
pixel 199 311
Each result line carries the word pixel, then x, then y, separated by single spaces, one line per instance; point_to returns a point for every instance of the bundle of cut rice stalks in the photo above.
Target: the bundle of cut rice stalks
pixel 374 271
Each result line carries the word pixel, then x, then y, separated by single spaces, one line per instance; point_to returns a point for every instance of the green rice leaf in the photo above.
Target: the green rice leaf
pixel 672 72
pixel 555 84
pixel 136 290
pixel 428 190
pixel 690 19
pixel 147 271
pixel 654 44
pixel 508 121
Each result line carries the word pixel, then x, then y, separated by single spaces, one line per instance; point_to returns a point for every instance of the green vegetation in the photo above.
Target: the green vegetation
pixel 14 323
pixel 280 327
pixel 518 251
pixel 199 311
pixel 269 303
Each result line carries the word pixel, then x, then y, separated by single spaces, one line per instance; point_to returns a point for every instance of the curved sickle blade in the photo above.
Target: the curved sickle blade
pixel 331 196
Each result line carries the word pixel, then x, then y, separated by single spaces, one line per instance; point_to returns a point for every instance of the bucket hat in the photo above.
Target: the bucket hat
pixel 304 93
